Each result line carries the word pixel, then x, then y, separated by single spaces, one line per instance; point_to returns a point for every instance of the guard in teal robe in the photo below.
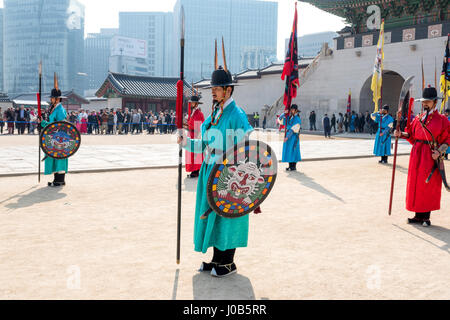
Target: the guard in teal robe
pixel 291 146
pixel 58 168
pixel 227 126
pixel 383 138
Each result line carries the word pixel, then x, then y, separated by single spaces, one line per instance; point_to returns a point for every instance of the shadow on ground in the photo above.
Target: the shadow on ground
pixel 310 183
pixel 38 196
pixel 398 168
pixel 190 185
pixel 234 287
pixel 439 233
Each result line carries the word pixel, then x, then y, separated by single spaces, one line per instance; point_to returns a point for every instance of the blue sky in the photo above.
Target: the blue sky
pixel 311 19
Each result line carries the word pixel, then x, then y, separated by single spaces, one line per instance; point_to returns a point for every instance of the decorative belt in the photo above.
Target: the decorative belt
pixel 424 142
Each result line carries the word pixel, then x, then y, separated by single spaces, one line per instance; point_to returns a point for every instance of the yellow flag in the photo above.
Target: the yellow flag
pixel 445 83
pixel 377 79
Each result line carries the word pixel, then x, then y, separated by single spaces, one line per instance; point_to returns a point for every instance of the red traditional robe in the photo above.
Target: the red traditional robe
pixel 422 196
pixel 194 161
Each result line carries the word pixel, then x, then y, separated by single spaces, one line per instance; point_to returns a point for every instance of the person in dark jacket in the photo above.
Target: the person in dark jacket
pixel 333 122
pixel 327 126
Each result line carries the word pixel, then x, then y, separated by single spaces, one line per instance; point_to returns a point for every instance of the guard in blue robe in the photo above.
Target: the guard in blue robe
pixel 383 140
pixel 57 167
pixel 291 146
pixel 227 126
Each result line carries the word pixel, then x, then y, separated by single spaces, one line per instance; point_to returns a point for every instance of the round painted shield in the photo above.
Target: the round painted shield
pixel 243 180
pixel 60 140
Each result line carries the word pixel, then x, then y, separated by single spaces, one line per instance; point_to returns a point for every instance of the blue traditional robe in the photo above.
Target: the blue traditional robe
pixel 215 231
pixel 353 123
pixel 291 148
pixel 52 165
pixel 383 144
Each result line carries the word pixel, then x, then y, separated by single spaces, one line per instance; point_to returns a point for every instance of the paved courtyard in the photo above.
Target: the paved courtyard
pixel 19 155
pixel 324 234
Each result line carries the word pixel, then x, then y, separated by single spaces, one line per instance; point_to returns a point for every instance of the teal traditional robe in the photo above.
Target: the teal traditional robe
pixel 52 165
pixel 215 231
pixel 383 144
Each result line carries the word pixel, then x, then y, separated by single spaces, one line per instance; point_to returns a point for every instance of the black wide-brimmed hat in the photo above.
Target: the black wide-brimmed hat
pixel 386 107
pixel 294 107
pixel 429 94
pixel 195 99
pixel 56 93
pixel 221 77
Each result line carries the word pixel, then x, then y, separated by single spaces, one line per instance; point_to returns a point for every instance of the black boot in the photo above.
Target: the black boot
pixel 194 174
pixel 227 266
pixel 58 181
pixel 426 219
pixel 419 218
pixel 217 258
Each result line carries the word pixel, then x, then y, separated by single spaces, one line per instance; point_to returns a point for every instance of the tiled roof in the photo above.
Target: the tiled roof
pixel 46 96
pixel 4 98
pixel 138 86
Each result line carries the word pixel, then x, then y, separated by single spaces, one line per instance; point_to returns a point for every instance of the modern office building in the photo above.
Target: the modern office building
pixel 311 44
pixel 51 31
pixel 249 29
pixel 97 50
pixel 1 49
pixel 129 56
pixel 156 28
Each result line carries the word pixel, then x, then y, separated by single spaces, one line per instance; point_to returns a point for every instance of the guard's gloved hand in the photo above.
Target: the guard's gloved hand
pixel 443 149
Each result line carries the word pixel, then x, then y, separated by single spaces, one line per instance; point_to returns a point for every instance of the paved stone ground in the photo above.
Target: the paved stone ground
pixel 324 234
pixel 119 152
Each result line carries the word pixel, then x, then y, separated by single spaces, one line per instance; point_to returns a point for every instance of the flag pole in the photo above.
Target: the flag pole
pixel 179 116
pixel 39 122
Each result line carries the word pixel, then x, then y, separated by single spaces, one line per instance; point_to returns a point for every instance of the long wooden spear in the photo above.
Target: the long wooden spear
pixel 179 115
pixel 39 122
pixel 406 88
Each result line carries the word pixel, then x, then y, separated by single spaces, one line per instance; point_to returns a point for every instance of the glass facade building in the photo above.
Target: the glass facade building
pixel 51 31
pixel 157 29
pixel 249 29
pixel 1 50
pixel 311 44
pixel 97 50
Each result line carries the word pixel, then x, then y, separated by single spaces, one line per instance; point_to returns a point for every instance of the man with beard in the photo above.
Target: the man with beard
pixel 227 126
pixel 429 134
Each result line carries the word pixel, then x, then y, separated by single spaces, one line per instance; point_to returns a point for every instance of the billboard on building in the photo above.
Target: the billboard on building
pixel 129 47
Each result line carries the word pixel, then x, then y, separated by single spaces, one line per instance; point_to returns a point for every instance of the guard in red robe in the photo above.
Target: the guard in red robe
pixel 429 133
pixel 195 121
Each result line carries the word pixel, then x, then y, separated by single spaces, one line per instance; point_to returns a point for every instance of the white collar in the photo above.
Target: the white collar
pixel 229 101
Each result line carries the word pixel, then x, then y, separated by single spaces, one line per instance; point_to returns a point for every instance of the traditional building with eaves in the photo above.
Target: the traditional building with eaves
pixel 414 30
pixel 154 94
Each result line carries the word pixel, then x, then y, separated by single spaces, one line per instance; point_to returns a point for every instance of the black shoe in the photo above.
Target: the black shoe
pixel 207 266
pixel 56 184
pixel 415 221
pixel 224 270
pixel 426 223
pixel 193 175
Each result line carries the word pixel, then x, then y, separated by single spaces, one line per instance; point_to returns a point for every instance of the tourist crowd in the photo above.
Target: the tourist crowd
pixel 106 121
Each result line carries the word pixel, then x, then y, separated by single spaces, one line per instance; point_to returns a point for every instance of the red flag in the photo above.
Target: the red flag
pixel 349 104
pixel 39 105
pixel 290 71
pixel 180 93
